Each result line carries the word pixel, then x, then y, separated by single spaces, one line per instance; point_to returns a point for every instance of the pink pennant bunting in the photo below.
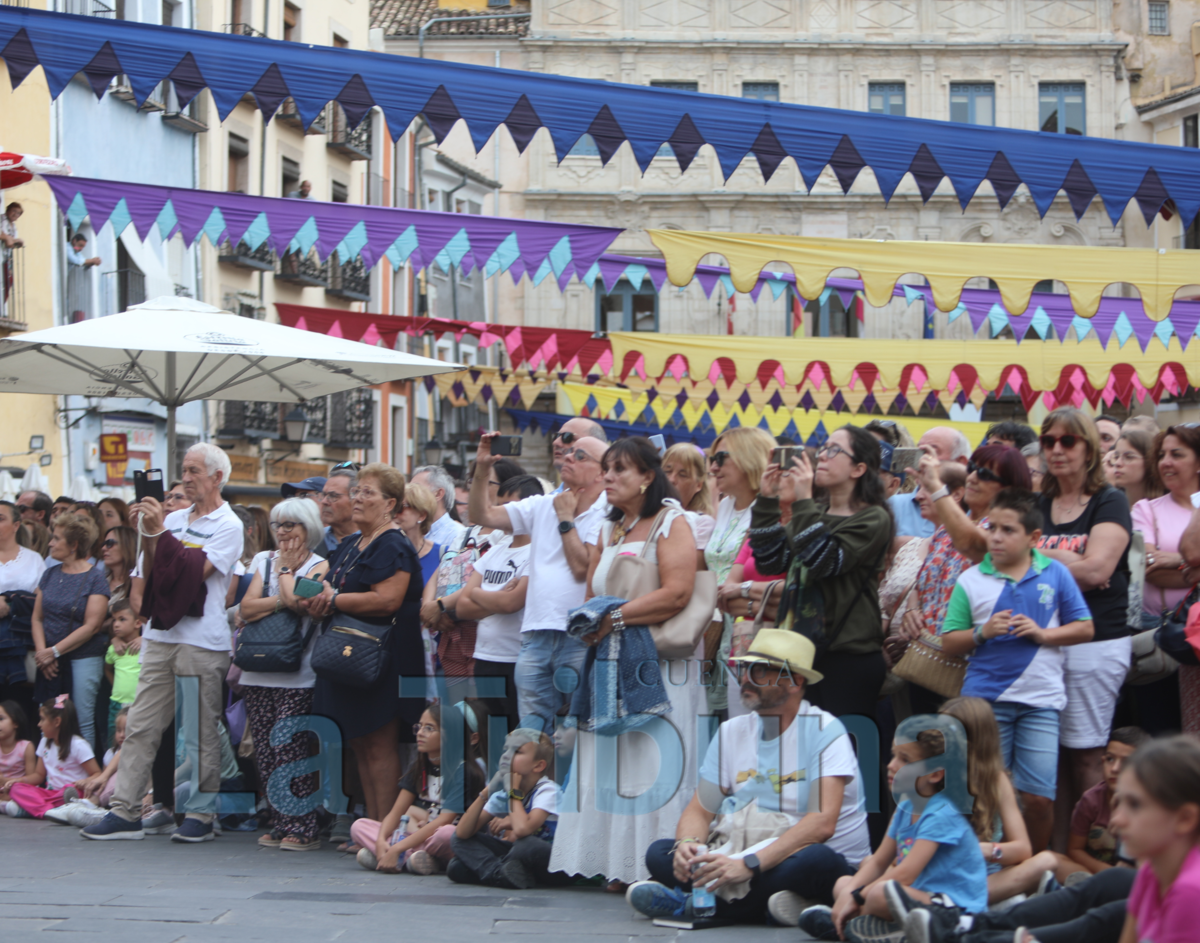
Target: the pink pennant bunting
pixel 371 335
pixel 335 329
pixel 301 324
pixel 606 361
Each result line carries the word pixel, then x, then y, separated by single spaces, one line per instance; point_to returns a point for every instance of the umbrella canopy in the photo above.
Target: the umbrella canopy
pixel 16 169
pixel 176 350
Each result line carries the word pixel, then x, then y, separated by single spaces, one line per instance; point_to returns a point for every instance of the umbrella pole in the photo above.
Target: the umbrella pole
pixel 170 470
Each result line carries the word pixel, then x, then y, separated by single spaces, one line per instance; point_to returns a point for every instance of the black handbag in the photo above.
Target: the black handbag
pixel 352 652
pixel 274 643
pixel 1171 636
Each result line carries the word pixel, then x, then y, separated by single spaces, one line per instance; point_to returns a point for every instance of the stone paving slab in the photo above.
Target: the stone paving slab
pixel 57 888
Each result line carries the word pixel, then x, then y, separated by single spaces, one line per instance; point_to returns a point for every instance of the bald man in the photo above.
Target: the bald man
pixel 950 445
pixel 561 527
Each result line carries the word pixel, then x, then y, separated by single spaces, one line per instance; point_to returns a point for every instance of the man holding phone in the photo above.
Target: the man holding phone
pixel 194 646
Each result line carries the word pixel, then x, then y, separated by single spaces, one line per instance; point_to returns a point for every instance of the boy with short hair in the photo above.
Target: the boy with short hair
pixel 1011 614
pixel 1092 846
pixel 504 838
pixel 122 665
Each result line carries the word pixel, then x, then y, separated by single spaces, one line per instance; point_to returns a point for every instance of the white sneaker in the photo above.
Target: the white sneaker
pixel 59 815
pixel 786 907
pixel 80 814
pixel 15 811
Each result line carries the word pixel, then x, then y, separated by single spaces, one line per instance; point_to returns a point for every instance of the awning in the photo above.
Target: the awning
pixel 422 237
pixel 232 66
pixel 1087 270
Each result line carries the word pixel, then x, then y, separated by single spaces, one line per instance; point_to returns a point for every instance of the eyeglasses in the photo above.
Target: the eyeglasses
pixel 579 455
pixel 983 474
pixel 1186 425
pixel 330 496
pixel 1068 441
pixel 109 544
pixel 85 504
pixel 362 493
pixel 427 728
pixel 567 437
pixel 286 526
pixel 353 466
pixel 719 458
pixel 833 450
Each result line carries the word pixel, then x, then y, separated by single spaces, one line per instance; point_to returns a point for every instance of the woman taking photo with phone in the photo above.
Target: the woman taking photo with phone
pixel 271 696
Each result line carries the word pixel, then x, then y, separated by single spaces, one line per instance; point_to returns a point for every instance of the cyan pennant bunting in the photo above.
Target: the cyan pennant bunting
pixel 166 220
pixel 1122 329
pixel 1041 322
pixel 997 319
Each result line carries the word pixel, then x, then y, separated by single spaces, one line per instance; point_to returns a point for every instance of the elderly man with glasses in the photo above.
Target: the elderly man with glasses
pixel 337 508
pixel 563 441
pixel 561 527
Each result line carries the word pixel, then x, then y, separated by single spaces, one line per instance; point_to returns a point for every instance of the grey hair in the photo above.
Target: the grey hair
pixel 344 473
pixel 438 478
pixel 303 511
pixel 595 430
pixel 215 460
pixel 1032 450
pixel 961 447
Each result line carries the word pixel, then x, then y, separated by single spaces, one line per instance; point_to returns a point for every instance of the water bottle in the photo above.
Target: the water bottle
pixel 704 902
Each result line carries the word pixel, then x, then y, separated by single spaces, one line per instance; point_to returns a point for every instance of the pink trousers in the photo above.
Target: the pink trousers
pixel 365 833
pixel 38 801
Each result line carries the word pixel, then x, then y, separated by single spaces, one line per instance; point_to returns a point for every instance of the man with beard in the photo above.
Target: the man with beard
pixel 789 757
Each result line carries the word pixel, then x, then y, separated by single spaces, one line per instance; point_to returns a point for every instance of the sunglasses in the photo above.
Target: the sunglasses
pixel 1068 441
pixel 719 458
pixel 567 437
pixel 580 456
pixel 984 474
pixel 109 544
pixel 353 466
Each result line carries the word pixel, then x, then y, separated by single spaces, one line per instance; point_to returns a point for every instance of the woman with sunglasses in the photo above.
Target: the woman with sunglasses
pixel 271 696
pixel 833 554
pixel 737 461
pixel 1086 527
pixel 1169 579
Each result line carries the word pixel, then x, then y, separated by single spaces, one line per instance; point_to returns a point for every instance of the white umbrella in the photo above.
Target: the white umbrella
pixel 8 487
pixel 35 480
pixel 82 490
pixel 176 350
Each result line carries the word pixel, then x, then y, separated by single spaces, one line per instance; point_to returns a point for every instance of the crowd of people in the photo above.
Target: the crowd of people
pixel 880 689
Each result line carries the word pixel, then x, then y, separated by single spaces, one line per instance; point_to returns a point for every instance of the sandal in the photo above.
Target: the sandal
pixel 348 847
pixel 296 843
pixel 271 839
pixel 616 887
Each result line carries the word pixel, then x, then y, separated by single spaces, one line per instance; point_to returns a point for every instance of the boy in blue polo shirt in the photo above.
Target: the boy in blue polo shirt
pixel 1011 615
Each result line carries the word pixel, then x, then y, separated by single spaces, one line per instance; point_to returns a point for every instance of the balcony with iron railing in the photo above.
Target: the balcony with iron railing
pixel 124 288
pixel 349 280
pixel 242 29
pixel 12 289
pixel 354 143
pixel 306 270
pixel 342 421
pixel 88 8
pixel 261 259
pixel 289 116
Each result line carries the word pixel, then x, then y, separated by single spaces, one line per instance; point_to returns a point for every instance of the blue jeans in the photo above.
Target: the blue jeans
pixel 1029 746
pixel 546 654
pixel 86 674
pixel 810 872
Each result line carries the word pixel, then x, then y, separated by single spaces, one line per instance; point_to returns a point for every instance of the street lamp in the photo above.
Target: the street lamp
pixel 433 452
pixel 295 424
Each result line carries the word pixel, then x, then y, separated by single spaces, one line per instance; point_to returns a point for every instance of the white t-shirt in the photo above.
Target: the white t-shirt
pixel 24 571
pixel 545 796
pixel 220 535
pixel 553 590
pixel 779 773
pixel 61 773
pixel 305 677
pixel 498 637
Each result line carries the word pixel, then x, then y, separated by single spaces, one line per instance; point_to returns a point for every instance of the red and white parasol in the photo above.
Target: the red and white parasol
pixel 16 169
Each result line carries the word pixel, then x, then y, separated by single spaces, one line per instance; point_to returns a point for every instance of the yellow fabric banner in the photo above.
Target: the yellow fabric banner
pixel 1043 363
pixel 1086 270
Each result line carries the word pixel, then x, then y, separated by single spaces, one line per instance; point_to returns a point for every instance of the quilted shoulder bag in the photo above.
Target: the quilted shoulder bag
pixel 349 650
pixel 632 576
pixel 273 643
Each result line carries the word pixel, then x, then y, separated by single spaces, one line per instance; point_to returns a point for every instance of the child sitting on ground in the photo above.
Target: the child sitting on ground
pixel 504 838
pixel 1011 614
pixel 64 762
pixel 121 665
pixel 394 845
pixel 926 853
pixel 18 764
pixel 98 790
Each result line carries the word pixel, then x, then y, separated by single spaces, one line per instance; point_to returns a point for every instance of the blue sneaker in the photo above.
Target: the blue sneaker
pixel 658 900
pixel 193 831
pixel 817 922
pixel 114 828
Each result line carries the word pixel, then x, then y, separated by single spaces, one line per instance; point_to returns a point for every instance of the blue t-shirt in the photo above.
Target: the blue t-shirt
pixel 957 868
pixel 909 521
pixel 429 562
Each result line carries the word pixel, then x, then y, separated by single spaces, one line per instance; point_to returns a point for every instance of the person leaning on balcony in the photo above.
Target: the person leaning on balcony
pixel 302 192
pixel 8 226
pixel 75 253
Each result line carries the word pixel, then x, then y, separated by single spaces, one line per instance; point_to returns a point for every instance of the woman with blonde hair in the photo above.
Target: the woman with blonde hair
pixel 415 516
pixel 737 459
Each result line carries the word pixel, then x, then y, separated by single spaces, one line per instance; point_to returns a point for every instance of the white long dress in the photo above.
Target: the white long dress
pixel 589 841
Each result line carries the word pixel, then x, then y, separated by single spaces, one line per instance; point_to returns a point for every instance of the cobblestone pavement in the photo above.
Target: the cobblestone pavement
pixel 57 887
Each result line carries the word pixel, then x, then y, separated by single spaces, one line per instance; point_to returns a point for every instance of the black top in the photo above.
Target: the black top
pixel 355 571
pixel 1108 605
pixel 453 793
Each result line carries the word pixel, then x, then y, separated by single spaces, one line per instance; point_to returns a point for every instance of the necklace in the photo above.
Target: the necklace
pixel 622 529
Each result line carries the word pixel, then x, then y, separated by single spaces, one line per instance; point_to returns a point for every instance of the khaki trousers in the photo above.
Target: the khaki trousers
pixel 152 712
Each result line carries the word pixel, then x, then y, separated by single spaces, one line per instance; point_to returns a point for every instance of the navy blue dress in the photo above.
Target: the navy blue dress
pixel 359 711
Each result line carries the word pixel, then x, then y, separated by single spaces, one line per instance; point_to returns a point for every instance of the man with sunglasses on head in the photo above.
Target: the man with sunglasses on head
pixel 336 507
pixel 561 526
pixel 567 435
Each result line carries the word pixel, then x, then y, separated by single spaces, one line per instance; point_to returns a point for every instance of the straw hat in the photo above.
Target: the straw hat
pixel 781 647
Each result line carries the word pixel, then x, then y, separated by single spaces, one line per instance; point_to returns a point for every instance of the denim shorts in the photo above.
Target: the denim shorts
pixel 1029 746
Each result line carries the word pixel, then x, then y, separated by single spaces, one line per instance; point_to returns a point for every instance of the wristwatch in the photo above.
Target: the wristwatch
pixel 746 588
pixel 942 492
pixel 565 527
pixel 997 851
pixel 285 569
pixel 751 862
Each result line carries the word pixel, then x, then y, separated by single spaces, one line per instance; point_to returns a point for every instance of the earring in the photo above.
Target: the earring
pixel 643 488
